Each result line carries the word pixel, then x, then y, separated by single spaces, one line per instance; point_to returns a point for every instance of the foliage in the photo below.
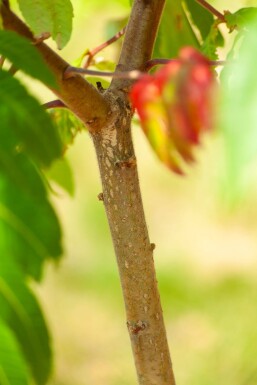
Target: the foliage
pixel 49 18
pixel 239 95
pixel 174 105
pixel 29 230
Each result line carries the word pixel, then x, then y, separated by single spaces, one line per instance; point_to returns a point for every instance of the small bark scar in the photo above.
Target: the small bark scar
pixel 127 163
pixel 136 327
pixel 100 196
pixel 39 39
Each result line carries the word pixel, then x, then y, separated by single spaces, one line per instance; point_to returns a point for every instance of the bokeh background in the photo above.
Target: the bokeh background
pixel 205 257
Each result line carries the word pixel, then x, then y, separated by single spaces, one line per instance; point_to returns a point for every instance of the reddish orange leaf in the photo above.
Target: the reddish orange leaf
pixel 175 106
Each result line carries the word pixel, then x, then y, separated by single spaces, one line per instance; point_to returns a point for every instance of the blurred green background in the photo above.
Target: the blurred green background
pixel 205 257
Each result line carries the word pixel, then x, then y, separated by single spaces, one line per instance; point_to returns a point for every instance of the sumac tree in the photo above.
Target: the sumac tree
pixel 176 104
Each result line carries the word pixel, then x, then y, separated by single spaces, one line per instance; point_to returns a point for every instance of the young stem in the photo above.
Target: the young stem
pixel 211 9
pixel 99 48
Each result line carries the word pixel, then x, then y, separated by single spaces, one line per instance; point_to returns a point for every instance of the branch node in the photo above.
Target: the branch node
pixel 136 327
pixel 39 39
pixel 128 163
pixel 100 196
pixel 54 104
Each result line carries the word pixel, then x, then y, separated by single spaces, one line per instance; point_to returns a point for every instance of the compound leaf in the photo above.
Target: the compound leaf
pixel 33 127
pixel 53 17
pixel 21 312
pixel 24 56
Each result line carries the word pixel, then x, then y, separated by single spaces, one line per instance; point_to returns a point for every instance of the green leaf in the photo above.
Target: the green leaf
pixel 26 238
pixel 202 19
pixel 175 31
pixel 238 117
pixel 241 18
pixel 33 128
pixel 21 312
pixel 60 172
pixel 213 40
pixel 49 16
pixel 68 125
pixel 13 369
pixel 29 230
pixel 62 12
pixel 24 56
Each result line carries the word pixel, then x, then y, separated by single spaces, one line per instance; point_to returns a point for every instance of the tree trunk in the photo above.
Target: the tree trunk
pixel 134 252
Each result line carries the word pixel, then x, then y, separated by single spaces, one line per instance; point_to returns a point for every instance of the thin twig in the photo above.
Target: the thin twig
pixel 54 104
pixel 99 48
pixel 211 9
pixel 154 62
pixel 73 71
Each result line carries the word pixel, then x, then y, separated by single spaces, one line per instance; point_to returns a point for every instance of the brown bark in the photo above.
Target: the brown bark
pixel 109 119
pixel 134 252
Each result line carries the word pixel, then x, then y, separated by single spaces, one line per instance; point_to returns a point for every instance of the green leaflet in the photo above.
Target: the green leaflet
pixel 32 126
pixel 24 56
pixel 238 117
pixel 49 16
pixel 13 369
pixel 20 311
pixel 29 230
pixel 200 17
pixel 60 172
pixel 213 40
pixel 68 125
pixel 241 18
pixel 175 31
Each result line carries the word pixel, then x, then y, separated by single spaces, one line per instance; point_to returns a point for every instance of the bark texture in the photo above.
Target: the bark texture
pixel 134 252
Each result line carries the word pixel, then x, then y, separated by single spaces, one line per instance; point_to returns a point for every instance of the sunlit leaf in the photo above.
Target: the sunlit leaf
pixel 24 56
pixel 175 106
pixel 49 16
pixel 60 172
pixel 202 19
pixel 213 40
pixel 175 31
pixel 13 369
pixel 68 125
pixel 238 116
pixel 242 18
pixel 21 312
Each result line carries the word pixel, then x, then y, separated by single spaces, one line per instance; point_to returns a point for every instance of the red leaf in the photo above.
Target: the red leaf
pixel 175 106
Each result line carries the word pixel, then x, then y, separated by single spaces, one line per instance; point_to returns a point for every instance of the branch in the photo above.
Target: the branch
pixel 211 9
pixel 139 38
pixel 96 50
pixel 73 71
pixel 76 93
pixel 54 104
pixel 155 62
